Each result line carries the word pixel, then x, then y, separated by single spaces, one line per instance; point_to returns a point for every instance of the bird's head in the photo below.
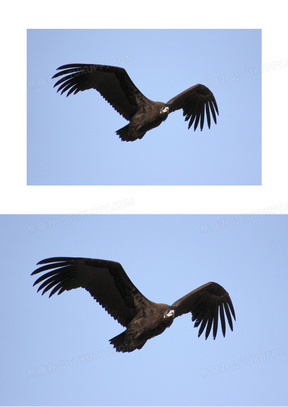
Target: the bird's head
pixel 164 111
pixel 168 316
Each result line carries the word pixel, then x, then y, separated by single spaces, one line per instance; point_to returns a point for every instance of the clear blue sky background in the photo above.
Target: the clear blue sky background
pixel 72 141
pixel 56 351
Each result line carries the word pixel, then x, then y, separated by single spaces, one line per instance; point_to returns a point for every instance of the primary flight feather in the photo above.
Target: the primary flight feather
pixel 110 286
pixel 115 85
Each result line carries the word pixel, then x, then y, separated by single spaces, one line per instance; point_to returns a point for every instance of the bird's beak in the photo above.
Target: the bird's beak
pixel 171 313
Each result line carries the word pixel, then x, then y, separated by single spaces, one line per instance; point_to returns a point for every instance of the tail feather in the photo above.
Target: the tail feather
pixel 123 133
pixel 118 342
pixel 130 133
pixel 122 344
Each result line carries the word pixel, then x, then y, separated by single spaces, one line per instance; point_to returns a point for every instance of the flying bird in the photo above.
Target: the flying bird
pixel 110 286
pixel 115 85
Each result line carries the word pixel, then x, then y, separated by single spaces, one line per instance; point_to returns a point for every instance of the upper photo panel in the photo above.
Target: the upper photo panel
pixel 144 107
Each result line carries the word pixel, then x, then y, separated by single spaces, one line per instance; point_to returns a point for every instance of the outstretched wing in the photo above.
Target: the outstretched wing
pixel 112 82
pixel 205 303
pixel 105 280
pixel 195 102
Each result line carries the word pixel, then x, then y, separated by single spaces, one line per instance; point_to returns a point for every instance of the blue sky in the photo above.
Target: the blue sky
pixel 72 141
pixel 56 351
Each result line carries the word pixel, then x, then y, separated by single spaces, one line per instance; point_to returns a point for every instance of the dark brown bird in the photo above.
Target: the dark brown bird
pixel 115 85
pixel 110 286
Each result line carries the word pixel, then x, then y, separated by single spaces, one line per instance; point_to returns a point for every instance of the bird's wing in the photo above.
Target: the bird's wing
pixel 112 82
pixel 105 280
pixel 195 102
pixel 204 304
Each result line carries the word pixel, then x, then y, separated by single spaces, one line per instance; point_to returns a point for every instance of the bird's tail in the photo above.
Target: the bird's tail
pixel 118 343
pixel 122 343
pixel 123 133
pixel 129 133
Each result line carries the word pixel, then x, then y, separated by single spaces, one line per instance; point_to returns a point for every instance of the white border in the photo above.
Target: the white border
pixel 271 197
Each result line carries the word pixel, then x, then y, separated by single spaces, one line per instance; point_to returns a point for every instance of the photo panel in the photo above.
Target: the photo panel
pixel 73 141
pixel 62 342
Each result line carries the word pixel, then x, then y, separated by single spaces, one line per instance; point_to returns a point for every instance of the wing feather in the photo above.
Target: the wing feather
pixel 206 303
pixel 215 322
pixel 213 107
pixel 105 280
pixel 222 319
pixel 113 83
pixel 208 115
pixel 195 101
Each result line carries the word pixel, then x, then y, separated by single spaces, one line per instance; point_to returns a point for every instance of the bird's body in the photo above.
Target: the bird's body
pixel 145 325
pixel 115 85
pixel 108 283
pixel 150 116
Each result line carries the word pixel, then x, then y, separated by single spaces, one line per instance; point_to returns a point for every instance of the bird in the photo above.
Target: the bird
pixel 110 286
pixel 117 88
